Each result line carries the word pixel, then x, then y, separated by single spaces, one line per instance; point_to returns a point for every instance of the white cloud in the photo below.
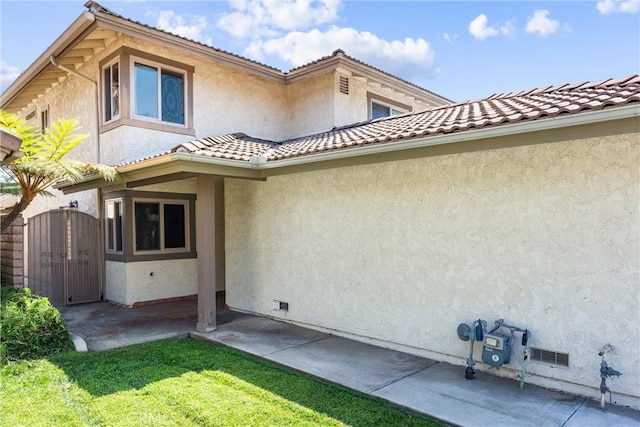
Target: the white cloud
pixel 479 29
pixel 508 29
pixel 295 32
pixel 450 38
pixel 189 26
pixel 8 74
pixel 298 48
pixel 256 18
pixel 541 24
pixel 607 7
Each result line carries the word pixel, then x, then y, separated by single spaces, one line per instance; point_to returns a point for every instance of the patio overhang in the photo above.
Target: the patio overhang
pixel 9 147
pixel 164 168
pixel 178 165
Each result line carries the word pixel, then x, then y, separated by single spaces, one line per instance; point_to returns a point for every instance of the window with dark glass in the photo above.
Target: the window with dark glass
pixel 44 120
pixel 382 110
pixel 174 226
pixel 160 226
pixel 147 222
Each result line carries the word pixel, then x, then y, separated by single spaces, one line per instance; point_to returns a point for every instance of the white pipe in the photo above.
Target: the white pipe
pixel 97 126
pixel 95 85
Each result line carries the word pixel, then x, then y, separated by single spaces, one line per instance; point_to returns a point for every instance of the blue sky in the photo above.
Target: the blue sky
pixel 461 50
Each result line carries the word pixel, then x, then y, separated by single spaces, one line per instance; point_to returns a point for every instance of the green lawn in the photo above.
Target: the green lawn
pixel 180 382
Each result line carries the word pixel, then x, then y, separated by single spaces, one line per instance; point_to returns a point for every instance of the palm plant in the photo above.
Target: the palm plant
pixel 42 163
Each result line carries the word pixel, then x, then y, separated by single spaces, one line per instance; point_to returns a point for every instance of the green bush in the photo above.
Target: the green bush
pixel 30 327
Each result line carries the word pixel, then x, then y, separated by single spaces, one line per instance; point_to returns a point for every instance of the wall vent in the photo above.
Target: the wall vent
pixel 549 357
pixel 344 85
pixel 31 115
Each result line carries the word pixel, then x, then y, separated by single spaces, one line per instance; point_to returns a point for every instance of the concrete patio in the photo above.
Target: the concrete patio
pixel 436 389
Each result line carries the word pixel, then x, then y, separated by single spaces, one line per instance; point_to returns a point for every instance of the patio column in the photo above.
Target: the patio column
pixel 206 247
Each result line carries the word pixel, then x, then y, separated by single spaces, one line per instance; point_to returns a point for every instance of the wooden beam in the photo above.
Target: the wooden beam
pixel 91 44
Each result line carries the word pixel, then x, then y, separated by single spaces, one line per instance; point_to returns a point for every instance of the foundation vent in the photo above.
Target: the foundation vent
pixel 344 85
pixel 549 357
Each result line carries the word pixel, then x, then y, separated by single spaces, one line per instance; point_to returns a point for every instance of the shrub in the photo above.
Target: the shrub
pixel 30 327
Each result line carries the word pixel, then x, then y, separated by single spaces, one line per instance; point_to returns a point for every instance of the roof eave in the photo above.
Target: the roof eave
pixel 181 163
pixel 137 30
pixel 340 61
pixel 166 164
pixel 627 112
pixel 62 43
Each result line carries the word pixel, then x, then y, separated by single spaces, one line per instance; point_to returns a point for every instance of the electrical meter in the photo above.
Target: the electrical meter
pixel 496 349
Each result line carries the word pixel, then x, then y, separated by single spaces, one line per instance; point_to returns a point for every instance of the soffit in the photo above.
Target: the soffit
pixel 80 46
pixel 342 63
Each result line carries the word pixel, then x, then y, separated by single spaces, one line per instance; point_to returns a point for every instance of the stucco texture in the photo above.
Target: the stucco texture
pixel 129 283
pixel 543 236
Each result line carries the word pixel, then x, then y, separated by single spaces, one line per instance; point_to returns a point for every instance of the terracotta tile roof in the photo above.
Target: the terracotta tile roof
pixel 234 146
pixel 496 110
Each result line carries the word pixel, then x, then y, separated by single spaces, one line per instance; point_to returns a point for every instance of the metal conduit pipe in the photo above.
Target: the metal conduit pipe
pixel 55 63
pixel 97 100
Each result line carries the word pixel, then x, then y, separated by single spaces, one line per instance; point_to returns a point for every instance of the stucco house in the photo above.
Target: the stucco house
pixel 342 198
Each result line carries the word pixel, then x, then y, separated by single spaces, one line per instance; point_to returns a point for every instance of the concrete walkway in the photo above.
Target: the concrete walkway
pixel 436 389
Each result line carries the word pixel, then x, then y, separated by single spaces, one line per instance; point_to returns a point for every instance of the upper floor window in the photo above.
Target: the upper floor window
pixel 146 91
pixel 379 109
pixel 158 93
pixel 111 82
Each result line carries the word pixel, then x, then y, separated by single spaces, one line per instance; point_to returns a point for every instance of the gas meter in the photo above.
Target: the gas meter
pixel 496 349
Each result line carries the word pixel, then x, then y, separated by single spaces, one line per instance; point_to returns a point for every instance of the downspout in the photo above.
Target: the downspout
pixel 97 133
pixel 97 100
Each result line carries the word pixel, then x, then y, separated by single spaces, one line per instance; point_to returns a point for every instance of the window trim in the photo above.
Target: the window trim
pixel 109 97
pixel 134 60
pixel 128 253
pixel 125 56
pixel 107 249
pixel 163 249
pixel 45 121
pixel 385 102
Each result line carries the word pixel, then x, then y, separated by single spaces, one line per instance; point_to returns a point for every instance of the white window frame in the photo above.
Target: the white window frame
pixel 162 202
pixel 394 110
pixel 160 67
pixel 115 231
pixel 114 96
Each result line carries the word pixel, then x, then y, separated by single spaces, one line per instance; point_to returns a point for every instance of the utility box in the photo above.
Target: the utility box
pixel 496 349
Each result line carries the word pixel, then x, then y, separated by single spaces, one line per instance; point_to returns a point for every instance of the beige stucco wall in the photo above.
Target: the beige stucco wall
pixel 544 236
pixel 74 98
pixel 128 283
pixel 311 105
pixel 225 100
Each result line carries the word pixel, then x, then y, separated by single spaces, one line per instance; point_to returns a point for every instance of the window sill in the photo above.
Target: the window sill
pixel 162 127
pixel 150 257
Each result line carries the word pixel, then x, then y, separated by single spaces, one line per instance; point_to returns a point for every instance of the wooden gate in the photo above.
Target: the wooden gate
pixel 65 256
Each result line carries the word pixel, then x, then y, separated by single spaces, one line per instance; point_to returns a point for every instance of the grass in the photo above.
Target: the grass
pixel 181 382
